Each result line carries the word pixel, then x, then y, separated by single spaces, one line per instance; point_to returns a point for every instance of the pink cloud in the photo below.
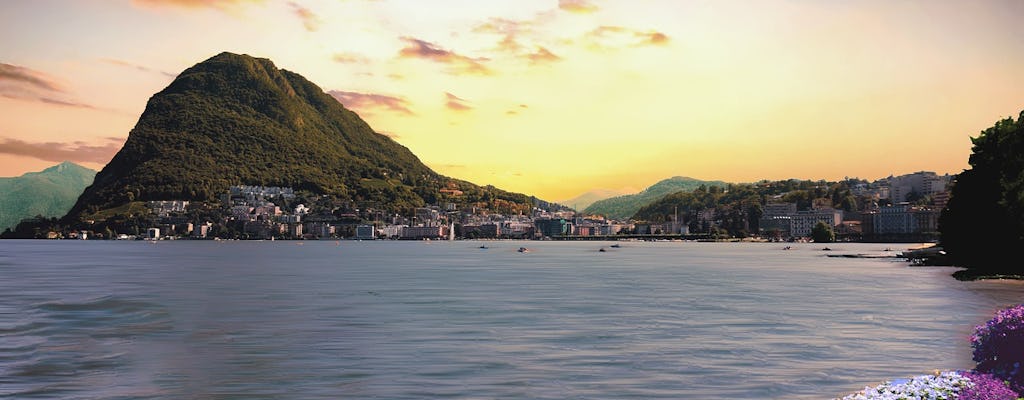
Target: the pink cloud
pixel 416 48
pixel 25 76
pixel 371 101
pixel 22 83
pixel 223 5
pixel 309 20
pixel 456 103
pixel 138 67
pixel 55 151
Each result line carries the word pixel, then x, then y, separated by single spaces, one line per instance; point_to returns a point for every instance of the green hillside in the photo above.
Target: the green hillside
pixel 50 193
pixel 238 120
pixel 622 207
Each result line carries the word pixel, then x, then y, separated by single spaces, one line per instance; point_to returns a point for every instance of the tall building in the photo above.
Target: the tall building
pixel 924 183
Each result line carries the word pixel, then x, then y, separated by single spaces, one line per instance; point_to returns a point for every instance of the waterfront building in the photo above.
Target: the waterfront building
pixel 366 232
pixel 803 222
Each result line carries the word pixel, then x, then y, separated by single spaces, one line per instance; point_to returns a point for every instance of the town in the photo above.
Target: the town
pixel 894 213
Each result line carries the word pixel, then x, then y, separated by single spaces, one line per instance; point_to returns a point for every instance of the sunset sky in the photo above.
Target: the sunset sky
pixel 550 98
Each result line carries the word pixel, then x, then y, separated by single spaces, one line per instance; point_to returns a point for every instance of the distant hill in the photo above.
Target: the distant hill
pixel 234 119
pixel 50 193
pixel 623 207
pixel 586 199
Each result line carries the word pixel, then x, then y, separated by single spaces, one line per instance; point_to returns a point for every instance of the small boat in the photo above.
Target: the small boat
pixel 615 246
pixel 602 250
pixel 787 248
pixel 523 250
pixel 483 247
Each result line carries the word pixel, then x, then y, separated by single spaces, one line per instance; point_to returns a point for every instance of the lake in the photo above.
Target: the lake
pixel 428 320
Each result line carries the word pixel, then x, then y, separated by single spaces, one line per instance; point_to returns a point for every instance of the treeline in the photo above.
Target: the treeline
pixel 738 207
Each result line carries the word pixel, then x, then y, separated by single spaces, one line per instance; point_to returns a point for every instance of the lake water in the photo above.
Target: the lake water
pixel 430 320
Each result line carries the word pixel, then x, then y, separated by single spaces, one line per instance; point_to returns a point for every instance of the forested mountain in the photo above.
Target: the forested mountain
pixel 238 120
pixel 622 207
pixel 48 193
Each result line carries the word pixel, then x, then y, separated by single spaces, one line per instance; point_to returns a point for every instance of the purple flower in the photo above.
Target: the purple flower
pixel 999 346
pixel 986 387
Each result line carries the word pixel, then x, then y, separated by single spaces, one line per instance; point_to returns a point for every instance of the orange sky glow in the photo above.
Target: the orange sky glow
pixel 549 98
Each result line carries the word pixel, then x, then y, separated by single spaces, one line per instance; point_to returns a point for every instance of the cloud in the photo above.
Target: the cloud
pixel 542 55
pixel 416 48
pixel 223 5
pixel 22 83
pixel 515 111
pixel 371 101
pixel 138 67
pixel 456 103
pixel 53 151
pixel 655 38
pixel 513 36
pixel 350 58
pixel 604 37
pixel 310 20
pixel 577 6
pixel 28 77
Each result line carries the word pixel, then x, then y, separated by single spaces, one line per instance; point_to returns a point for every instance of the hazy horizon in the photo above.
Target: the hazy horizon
pixel 550 98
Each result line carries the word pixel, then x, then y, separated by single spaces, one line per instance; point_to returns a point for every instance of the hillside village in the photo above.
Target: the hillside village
pixel 902 208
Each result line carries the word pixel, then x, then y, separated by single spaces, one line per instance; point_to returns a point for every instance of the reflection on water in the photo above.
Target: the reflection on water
pixel 414 320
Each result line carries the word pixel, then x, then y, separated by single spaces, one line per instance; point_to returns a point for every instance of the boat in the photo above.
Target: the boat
pixel 602 250
pixel 483 247
pixel 615 246
pixel 926 255
pixel 523 250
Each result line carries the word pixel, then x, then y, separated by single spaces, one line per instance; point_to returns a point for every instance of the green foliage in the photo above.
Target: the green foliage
pixel 622 207
pixel 982 226
pixel 48 193
pixel 822 233
pixel 238 120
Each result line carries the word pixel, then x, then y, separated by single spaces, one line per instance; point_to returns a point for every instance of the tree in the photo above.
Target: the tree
pixel 822 233
pixel 982 226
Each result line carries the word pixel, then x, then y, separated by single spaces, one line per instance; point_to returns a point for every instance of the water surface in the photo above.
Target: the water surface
pixel 429 320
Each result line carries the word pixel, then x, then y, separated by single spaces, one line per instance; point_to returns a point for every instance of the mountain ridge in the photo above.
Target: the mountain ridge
pixel 234 119
pixel 623 207
pixel 48 193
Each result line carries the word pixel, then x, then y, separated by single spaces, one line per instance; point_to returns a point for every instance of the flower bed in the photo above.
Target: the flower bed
pixel 999 351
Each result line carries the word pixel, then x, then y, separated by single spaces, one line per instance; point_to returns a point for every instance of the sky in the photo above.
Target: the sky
pixel 549 98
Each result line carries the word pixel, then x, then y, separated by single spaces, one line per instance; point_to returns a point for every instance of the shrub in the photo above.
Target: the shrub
pixel 999 346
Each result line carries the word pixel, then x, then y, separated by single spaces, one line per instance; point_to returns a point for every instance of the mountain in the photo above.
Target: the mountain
pixel 234 119
pixel 584 200
pixel 50 192
pixel 623 207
